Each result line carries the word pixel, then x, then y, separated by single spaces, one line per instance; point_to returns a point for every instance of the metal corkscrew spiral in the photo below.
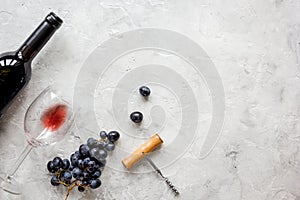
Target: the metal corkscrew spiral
pixel 168 182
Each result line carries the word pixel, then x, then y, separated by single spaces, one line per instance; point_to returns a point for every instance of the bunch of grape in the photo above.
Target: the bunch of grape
pixel 85 165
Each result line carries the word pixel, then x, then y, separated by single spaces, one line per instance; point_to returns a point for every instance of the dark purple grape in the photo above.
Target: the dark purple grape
pixel 110 146
pixel 84 150
pixel 91 163
pixel 103 134
pixel 86 161
pixel 91 142
pixel 51 168
pixel 57 162
pixel 80 164
pixel 81 189
pixel 77 173
pixel 96 174
pixel 54 180
pixel 90 169
pixel 144 91
pixel 113 136
pixel 66 164
pixel 77 153
pixel 72 156
pixel 94 153
pixel 86 175
pixel 95 183
pixel 102 154
pixel 100 145
pixel 98 163
pixel 74 159
pixel 66 176
pixel 85 182
pixel 136 117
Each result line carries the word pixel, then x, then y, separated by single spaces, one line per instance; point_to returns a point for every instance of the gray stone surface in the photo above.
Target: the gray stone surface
pixel 255 46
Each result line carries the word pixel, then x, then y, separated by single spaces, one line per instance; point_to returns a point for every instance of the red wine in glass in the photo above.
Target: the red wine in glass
pixel 54 117
pixel 15 67
pixel 47 121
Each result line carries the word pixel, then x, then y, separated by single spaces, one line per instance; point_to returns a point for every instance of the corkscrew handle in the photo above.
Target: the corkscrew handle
pixel 142 151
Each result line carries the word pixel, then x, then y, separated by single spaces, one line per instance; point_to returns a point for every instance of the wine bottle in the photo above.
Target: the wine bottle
pixel 15 67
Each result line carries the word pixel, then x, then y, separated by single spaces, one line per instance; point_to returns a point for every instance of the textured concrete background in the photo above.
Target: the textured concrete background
pixel 255 46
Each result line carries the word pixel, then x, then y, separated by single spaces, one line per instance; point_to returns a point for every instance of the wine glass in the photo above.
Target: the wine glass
pixel 47 120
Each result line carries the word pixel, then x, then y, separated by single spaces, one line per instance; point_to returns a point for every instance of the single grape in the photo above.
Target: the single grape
pixel 74 159
pixel 84 150
pixel 51 168
pixel 86 161
pixel 97 163
pixel 103 134
pixel 54 180
pixel 80 164
pixel 136 117
pixel 57 162
pixel 96 174
pixel 91 163
pixel 71 156
pixel 66 176
pixel 110 146
pixel 86 175
pixel 85 181
pixel 100 145
pixel 81 189
pixel 113 136
pixel 66 164
pixel 77 173
pixel 95 183
pixel 90 169
pixel 102 153
pixel 91 142
pixel 77 153
pixel 144 91
pixel 94 153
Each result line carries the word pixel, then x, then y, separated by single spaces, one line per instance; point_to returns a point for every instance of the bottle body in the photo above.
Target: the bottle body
pixel 13 78
pixel 15 67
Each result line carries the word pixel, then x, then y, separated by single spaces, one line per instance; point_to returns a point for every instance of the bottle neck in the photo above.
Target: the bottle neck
pixel 40 36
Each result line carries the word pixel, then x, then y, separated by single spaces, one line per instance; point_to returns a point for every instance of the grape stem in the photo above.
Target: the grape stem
pixel 70 186
pixel 61 182
pixel 74 184
pixel 101 140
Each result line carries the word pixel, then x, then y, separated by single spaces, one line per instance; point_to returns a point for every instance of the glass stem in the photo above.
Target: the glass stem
pixel 19 161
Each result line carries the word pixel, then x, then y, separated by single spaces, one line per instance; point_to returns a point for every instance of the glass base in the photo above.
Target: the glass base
pixel 10 185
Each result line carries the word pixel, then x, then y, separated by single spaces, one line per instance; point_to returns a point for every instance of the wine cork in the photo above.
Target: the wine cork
pixel 142 151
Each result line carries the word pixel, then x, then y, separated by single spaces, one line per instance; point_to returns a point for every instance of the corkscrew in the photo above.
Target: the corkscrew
pixel 142 152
